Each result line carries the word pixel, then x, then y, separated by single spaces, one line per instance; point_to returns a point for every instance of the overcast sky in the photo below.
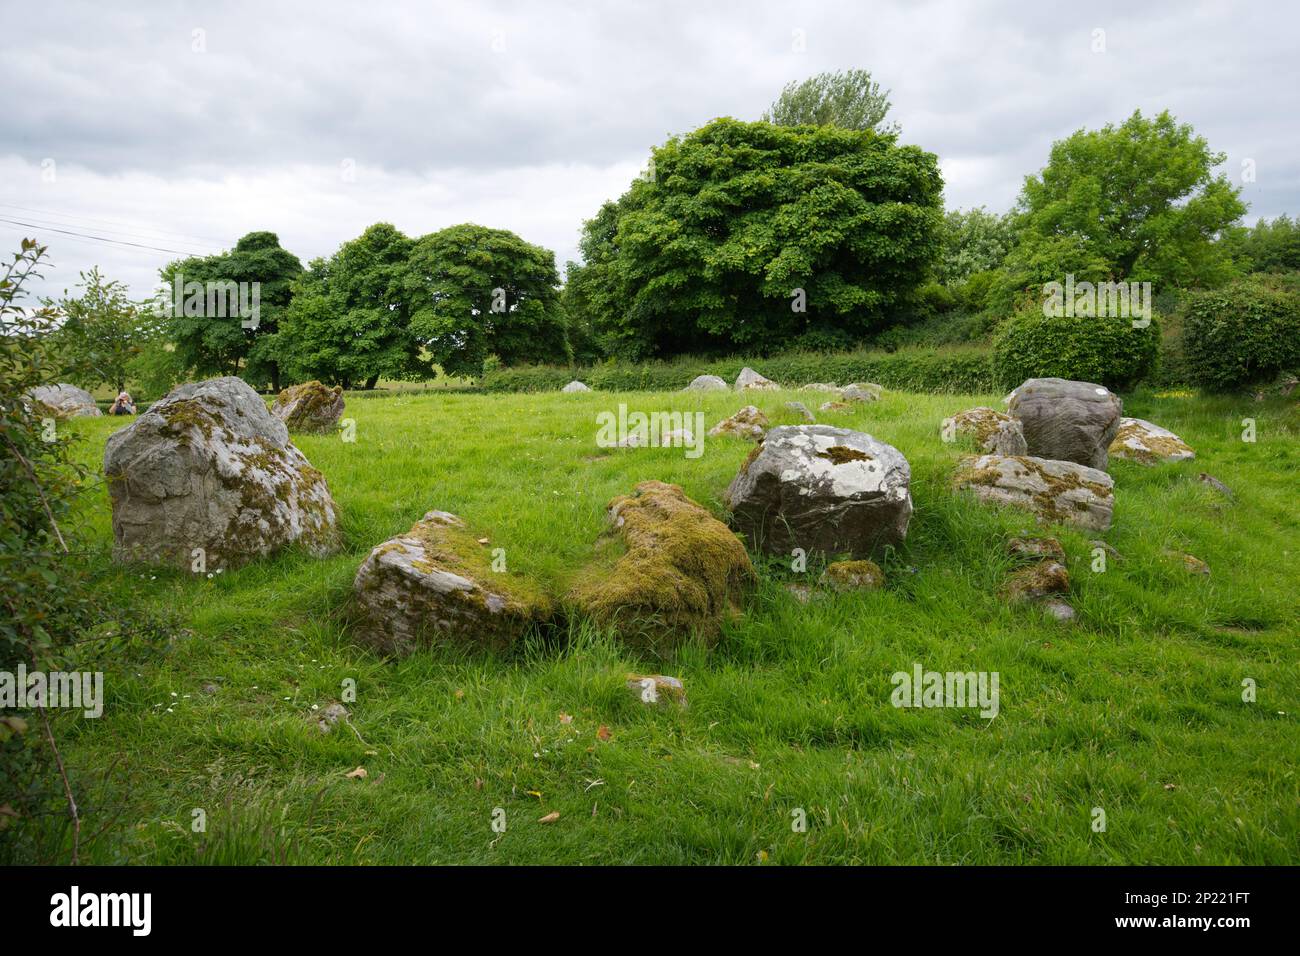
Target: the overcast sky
pixel 183 126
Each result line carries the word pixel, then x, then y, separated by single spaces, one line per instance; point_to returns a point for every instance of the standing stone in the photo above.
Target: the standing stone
pixel 1056 491
pixel 309 407
pixel 991 432
pixel 748 378
pixel 1067 421
pixel 822 488
pixel 1148 444
pixel 64 401
pixel 436 584
pixel 706 383
pixel 208 467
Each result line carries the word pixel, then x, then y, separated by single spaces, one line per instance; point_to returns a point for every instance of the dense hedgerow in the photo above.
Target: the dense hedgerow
pixel 1109 351
pixel 1242 334
pixel 966 370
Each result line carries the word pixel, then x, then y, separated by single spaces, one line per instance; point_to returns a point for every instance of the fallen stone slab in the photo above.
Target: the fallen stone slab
pixel 1055 491
pixel 1148 444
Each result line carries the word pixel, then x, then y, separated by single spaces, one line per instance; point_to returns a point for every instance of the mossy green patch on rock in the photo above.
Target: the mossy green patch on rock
pixel 665 570
pixel 309 407
pixel 864 575
pixel 1037 581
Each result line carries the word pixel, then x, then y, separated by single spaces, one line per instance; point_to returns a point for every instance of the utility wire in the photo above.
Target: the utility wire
pixel 82 235
pixel 150 233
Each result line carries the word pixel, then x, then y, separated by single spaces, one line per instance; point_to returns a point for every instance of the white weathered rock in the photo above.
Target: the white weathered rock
pixel 820 387
pixel 822 488
pixel 707 383
pixel 64 401
pixel 1140 441
pixel 436 583
pixel 208 467
pixel 800 409
pixel 1067 421
pixel 657 689
pixel 748 423
pixel 861 392
pixel 748 378
pixel 575 386
pixel 1056 491
pixel 992 432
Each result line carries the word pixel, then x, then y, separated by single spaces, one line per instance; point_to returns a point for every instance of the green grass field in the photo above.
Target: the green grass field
pixel 1135 708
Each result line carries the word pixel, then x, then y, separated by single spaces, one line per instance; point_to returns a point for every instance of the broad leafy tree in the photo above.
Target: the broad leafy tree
pixel 102 330
pixel 975 240
pixel 849 99
pixel 476 292
pixel 750 234
pixel 224 345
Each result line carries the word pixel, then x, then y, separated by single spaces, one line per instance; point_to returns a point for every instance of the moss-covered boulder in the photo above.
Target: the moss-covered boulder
pixel 748 423
pixel 64 401
pixel 665 570
pixel 207 479
pixel 987 430
pixel 436 584
pixel 1148 444
pixel 863 575
pixel 1038 581
pixel 309 407
pixel 1055 491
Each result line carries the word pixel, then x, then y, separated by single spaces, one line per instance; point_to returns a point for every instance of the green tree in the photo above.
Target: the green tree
pixel 226 345
pixel 349 322
pixel 1267 246
pixel 750 234
pixel 1139 201
pixel 476 292
pixel 103 331
pixel 849 99
pixel 972 241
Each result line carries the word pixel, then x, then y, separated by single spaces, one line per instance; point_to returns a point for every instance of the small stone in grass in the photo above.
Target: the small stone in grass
pixel 657 689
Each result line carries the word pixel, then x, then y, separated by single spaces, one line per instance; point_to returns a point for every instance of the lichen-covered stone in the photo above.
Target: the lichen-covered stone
pixel 800 409
pixel 748 423
pixel 707 383
pixel 861 575
pixel 309 407
pixel 208 467
pixel 1191 564
pixel 822 488
pixel 1140 441
pixel 861 392
pixel 1056 491
pixel 834 406
pixel 665 570
pixel 1036 549
pixel 435 584
pixel 657 689
pixel 1037 581
pixel 748 379
pixel 1065 420
pixel 64 401
pixel 575 386
pixel 820 387
pixel 990 431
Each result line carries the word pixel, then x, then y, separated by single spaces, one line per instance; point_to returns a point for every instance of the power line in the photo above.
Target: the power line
pixel 82 235
pixel 150 232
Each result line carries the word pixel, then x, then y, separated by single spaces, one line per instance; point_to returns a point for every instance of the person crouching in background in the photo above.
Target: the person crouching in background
pixel 122 405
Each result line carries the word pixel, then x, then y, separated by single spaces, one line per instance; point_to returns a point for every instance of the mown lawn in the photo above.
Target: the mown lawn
pixel 1135 708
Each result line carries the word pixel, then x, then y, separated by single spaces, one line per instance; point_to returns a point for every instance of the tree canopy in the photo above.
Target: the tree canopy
pixel 849 99
pixel 102 331
pixel 749 234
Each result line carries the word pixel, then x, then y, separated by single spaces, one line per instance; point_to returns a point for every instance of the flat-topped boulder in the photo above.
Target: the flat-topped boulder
pixel 1066 420
pixel 64 401
pixel 208 472
pixel 987 430
pixel 748 379
pixel 1148 444
pixel 748 423
pixel 822 488
pixel 1055 491
pixel 309 407
pixel 665 570
pixel 436 584
pixel 707 383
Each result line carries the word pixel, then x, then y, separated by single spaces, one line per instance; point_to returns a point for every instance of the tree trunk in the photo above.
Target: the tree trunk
pixel 371 382
pixel 275 377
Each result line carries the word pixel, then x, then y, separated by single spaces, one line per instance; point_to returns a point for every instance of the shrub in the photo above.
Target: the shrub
pixel 1242 334
pixel 1109 351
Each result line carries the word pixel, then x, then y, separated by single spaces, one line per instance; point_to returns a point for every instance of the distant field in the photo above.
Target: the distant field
pixel 1136 708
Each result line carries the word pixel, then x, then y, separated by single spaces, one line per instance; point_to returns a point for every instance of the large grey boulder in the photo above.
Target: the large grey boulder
pixel 208 467
pixel 748 379
pixel 1140 441
pixel 1055 491
pixel 309 407
pixel 1065 420
pixel 575 386
pixel 707 383
pixel 436 584
pixel 822 488
pixel 64 401
pixel 988 430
